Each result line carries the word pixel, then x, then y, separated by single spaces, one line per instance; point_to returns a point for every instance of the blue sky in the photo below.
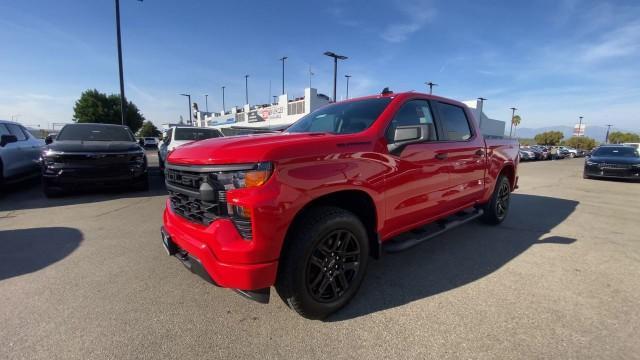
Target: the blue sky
pixel 553 60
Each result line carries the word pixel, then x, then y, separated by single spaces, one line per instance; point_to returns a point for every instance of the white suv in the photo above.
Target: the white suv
pixel 19 151
pixel 181 135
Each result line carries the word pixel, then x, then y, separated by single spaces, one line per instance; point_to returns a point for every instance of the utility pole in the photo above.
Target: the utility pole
pixel 223 110
pixel 348 77
pixel 481 107
pixel 606 139
pixel 206 102
pixel 283 59
pixel 431 85
pixel 513 113
pixel 246 89
pixel 190 116
pixel 335 57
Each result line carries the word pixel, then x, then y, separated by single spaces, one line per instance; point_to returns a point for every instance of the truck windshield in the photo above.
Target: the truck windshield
pixel 342 118
pixel 195 134
pixel 621 151
pixel 88 132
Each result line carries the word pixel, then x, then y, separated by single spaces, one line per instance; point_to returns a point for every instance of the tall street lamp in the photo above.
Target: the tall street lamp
pixel 430 85
pixel 223 110
pixel 283 59
pixel 580 126
pixel 513 113
pixel 246 89
pixel 189 98
pixel 206 102
pixel 335 69
pixel 606 138
pixel 123 102
pixel 348 77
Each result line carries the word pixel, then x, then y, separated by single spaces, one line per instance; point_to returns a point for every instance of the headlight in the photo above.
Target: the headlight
pixel 592 163
pixel 49 156
pixel 137 158
pixel 255 176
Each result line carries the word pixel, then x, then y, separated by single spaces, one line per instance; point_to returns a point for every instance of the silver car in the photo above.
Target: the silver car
pixel 19 152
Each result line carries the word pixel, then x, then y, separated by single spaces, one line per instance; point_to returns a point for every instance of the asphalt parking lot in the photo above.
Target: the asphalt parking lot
pixel 85 277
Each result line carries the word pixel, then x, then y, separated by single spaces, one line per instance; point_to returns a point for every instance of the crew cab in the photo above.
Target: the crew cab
pixel 305 209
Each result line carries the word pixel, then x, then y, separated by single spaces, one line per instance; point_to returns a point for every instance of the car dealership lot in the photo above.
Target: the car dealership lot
pixel 85 276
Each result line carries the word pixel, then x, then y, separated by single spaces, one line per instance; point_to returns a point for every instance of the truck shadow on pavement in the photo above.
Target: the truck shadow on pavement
pixel 457 258
pixel 24 251
pixel 29 194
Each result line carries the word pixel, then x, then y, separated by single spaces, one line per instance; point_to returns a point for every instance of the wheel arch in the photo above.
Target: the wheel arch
pixel 358 202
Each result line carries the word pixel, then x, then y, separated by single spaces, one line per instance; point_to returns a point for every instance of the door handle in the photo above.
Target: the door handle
pixel 480 152
pixel 441 156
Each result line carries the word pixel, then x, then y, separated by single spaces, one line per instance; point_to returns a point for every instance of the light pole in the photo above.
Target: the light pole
pixel 123 103
pixel 580 125
pixel 513 113
pixel 223 110
pixel 606 139
pixel 189 98
pixel 310 75
pixel 206 102
pixel 335 69
pixel 348 77
pixel 430 85
pixel 482 100
pixel 246 89
pixel 283 59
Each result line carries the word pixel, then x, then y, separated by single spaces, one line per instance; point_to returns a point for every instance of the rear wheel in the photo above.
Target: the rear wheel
pixel 324 263
pixel 495 211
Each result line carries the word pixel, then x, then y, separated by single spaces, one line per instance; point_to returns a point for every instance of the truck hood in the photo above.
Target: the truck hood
pixel 254 148
pixel 94 146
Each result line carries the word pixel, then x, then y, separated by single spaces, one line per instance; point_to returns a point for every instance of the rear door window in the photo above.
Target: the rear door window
pixel 455 122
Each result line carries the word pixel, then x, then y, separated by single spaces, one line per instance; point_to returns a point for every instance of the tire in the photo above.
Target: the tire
pixel 572 155
pixel 51 191
pixel 313 278
pixel 496 210
pixel 585 176
pixel 143 184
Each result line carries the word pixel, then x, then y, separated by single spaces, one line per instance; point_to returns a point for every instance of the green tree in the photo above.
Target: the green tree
pixel 148 129
pixel 619 137
pixel 96 107
pixel 581 142
pixel 549 138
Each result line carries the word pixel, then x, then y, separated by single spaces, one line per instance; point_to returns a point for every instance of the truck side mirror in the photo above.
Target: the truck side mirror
pixel 48 140
pixel 406 135
pixel 6 139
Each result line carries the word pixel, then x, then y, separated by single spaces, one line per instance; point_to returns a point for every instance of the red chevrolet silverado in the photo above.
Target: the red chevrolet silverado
pixel 305 209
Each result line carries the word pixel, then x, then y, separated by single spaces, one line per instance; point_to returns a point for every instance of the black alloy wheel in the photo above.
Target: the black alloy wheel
pixel 502 202
pixel 332 266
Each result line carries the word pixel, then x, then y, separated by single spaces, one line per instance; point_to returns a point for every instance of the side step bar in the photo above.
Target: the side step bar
pixel 415 237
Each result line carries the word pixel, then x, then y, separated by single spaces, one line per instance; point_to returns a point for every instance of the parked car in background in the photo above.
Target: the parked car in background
pixel 88 155
pixel 150 142
pixel 527 155
pixel 613 161
pixel 19 152
pixel 181 135
pixel 543 151
pixel 305 209
pixel 573 153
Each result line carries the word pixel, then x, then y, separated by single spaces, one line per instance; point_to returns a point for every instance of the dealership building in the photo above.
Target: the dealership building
pixel 285 112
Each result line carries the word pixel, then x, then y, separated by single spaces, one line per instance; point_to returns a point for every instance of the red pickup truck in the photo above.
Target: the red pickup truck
pixel 305 209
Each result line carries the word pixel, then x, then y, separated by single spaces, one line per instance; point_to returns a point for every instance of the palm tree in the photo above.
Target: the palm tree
pixel 515 121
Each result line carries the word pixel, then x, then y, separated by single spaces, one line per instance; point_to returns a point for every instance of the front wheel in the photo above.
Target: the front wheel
pixel 324 262
pixel 495 211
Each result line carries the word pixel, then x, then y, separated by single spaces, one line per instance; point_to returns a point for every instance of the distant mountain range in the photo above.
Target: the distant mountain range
pixel 596 132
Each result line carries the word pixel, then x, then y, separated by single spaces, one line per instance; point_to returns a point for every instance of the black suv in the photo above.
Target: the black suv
pixel 92 155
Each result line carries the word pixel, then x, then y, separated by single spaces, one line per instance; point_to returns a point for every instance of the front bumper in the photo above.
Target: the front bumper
pixel 206 245
pixel 600 172
pixel 64 176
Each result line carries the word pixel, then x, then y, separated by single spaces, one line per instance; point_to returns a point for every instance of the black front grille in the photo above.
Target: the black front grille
pixel 244 227
pixel 194 209
pixel 615 166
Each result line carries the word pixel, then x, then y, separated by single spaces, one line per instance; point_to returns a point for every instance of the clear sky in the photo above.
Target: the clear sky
pixel 553 60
